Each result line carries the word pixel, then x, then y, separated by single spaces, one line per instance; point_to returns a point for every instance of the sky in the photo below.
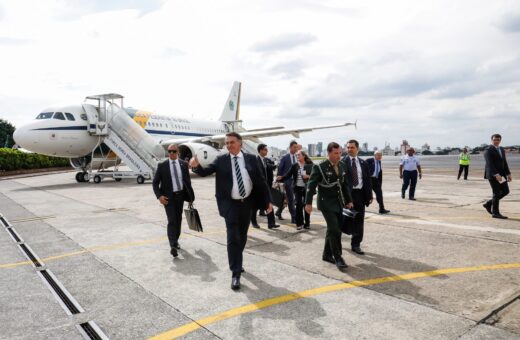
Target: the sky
pixel 446 73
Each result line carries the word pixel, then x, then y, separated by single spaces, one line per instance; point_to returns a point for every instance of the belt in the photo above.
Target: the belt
pixel 178 192
pixel 241 200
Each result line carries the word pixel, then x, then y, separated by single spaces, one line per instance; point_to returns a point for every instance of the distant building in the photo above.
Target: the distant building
pixel 404 146
pixel 387 150
pixel 364 148
pixel 375 148
pixel 319 149
pixel 425 147
pixel 312 150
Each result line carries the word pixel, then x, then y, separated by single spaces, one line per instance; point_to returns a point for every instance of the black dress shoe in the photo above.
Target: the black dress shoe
pixel 306 226
pixel 340 263
pixel 328 259
pixel 235 283
pixel 280 217
pixel 358 250
pixel 274 226
pixel 500 216
pixel 177 246
pixel 255 225
pixel 242 270
pixel 487 206
pixel 384 211
pixel 174 253
pixel 402 194
pixel 412 199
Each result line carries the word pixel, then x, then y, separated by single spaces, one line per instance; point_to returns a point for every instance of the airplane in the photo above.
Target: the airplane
pixel 64 131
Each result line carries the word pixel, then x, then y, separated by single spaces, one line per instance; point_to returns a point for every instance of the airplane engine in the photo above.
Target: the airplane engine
pixel 205 153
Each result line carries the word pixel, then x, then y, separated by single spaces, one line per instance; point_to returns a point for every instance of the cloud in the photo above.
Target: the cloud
pixel 13 41
pixel 284 42
pixel 510 23
pixel 96 6
pixel 170 52
pixel 289 69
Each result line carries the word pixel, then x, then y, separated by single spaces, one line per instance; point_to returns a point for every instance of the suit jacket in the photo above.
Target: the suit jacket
pixel 371 162
pixel 494 163
pixel 284 166
pixel 329 199
pixel 268 169
pixel 293 172
pixel 162 181
pixel 367 185
pixel 224 181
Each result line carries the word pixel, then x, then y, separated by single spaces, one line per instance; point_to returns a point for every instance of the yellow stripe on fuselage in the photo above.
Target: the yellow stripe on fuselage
pixel 142 117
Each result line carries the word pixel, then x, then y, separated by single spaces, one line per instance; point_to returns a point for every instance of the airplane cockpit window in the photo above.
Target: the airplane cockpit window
pixel 69 116
pixel 83 116
pixel 45 115
pixel 59 115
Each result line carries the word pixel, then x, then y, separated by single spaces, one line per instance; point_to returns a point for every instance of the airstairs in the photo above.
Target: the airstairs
pixel 130 142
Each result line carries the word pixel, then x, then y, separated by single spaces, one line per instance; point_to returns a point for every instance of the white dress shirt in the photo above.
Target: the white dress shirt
pixel 248 184
pixel 175 163
pixel 409 163
pixel 359 173
pixel 377 168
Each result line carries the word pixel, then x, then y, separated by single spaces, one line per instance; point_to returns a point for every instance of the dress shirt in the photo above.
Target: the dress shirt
pixel 248 184
pixel 359 172
pixel 410 163
pixel 175 163
pixel 377 168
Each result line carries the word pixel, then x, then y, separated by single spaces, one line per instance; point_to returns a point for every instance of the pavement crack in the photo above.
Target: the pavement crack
pixel 493 317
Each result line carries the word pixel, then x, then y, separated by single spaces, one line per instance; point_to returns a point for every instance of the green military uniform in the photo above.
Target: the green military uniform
pixel 333 195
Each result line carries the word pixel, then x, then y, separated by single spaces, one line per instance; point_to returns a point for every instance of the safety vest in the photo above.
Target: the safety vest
pixel 464 159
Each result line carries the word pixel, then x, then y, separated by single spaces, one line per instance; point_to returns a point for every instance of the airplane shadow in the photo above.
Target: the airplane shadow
pixel 302 312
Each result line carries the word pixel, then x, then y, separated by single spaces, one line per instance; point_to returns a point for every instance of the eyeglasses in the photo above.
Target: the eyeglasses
pixel 172 151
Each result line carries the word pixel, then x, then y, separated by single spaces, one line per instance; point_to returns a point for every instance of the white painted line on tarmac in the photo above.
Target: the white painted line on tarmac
pixel 462 226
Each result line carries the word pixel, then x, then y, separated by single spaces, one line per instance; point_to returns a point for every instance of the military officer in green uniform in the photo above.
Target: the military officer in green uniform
pixel 330 177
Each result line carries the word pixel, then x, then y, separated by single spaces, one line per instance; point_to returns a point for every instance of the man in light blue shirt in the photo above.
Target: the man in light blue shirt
pixel 408 168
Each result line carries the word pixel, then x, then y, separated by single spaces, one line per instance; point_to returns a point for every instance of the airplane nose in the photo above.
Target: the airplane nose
pixel 19 137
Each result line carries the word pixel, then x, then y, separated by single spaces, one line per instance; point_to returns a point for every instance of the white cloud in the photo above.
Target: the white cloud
pixel 404 69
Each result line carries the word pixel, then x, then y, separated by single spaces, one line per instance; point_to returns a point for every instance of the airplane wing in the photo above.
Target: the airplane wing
pixel 254 135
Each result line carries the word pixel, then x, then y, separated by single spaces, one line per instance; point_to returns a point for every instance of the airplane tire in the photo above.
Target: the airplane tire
pixel 97 179
pixel 118 179
pixel 85 177
pixel 140 179
pixel 79 177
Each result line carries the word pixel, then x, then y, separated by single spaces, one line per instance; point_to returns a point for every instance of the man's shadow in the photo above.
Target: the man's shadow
pixel 201 265
pixel 405 289
pixel 303 311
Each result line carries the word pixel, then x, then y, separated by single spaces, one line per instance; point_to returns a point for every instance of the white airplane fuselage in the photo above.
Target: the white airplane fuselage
pixel 63 131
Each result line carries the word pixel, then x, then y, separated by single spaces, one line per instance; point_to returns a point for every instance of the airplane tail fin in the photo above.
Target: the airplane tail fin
pixel 231 111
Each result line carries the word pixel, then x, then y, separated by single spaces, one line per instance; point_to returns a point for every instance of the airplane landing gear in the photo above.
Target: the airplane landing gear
pixel 82 177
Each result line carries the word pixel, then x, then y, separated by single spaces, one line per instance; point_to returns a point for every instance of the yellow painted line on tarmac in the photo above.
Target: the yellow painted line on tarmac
pixel 192 326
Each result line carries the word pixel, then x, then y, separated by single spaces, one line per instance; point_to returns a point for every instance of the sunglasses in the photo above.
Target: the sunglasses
pixel 172 151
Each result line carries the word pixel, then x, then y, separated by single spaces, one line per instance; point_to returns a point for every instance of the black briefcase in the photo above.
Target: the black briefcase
pixel 277 197
pixel 193 218
pixel 347 225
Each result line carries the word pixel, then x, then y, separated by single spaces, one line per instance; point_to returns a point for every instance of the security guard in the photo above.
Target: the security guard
pixel 464 160
pixel 331 178
pixel 410 164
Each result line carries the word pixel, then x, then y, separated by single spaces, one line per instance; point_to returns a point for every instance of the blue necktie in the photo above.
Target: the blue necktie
pixel 241 189
pixel 176 176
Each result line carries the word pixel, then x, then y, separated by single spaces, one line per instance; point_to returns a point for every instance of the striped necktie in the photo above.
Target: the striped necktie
pixel 176 176
pixel 355 179
pixel 240 182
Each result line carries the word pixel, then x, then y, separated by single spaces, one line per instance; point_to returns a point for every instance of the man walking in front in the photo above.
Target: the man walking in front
pixel 330 177
pixel 240 187
pixel 172 186
pixel 408 169
pixel 498 174
pixel 376 179
pixel 360 189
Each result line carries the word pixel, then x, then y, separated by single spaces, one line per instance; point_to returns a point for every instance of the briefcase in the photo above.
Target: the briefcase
pixel 277 197
pixel 347 225
pixel 193 218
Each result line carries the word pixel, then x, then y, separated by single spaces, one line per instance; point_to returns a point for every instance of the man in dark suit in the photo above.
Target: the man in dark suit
pixel 172 186
pixel 285 165
pixel 498 174
pixel 360 189
pixel 376 179
pixel 240 187
pixel 267 167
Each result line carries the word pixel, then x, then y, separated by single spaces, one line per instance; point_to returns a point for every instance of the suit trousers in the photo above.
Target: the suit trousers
pixel 499 191
pixel 333 235
pixel 174 213
pixel 409 178
pixel 376 187
pixel 465 168
pixel 237 223
pixel 358 226
pixel 299 199
pixel 270 217
pixel 289 192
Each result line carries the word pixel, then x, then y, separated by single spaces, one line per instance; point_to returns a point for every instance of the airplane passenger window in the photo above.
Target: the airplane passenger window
pixel 44 115
pixel 69 116
pixel 59 115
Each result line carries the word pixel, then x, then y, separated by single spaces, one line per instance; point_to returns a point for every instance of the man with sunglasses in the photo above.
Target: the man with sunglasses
pixel 172 186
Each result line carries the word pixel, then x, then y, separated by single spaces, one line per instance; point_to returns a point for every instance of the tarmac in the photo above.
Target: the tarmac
pixel 436 268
